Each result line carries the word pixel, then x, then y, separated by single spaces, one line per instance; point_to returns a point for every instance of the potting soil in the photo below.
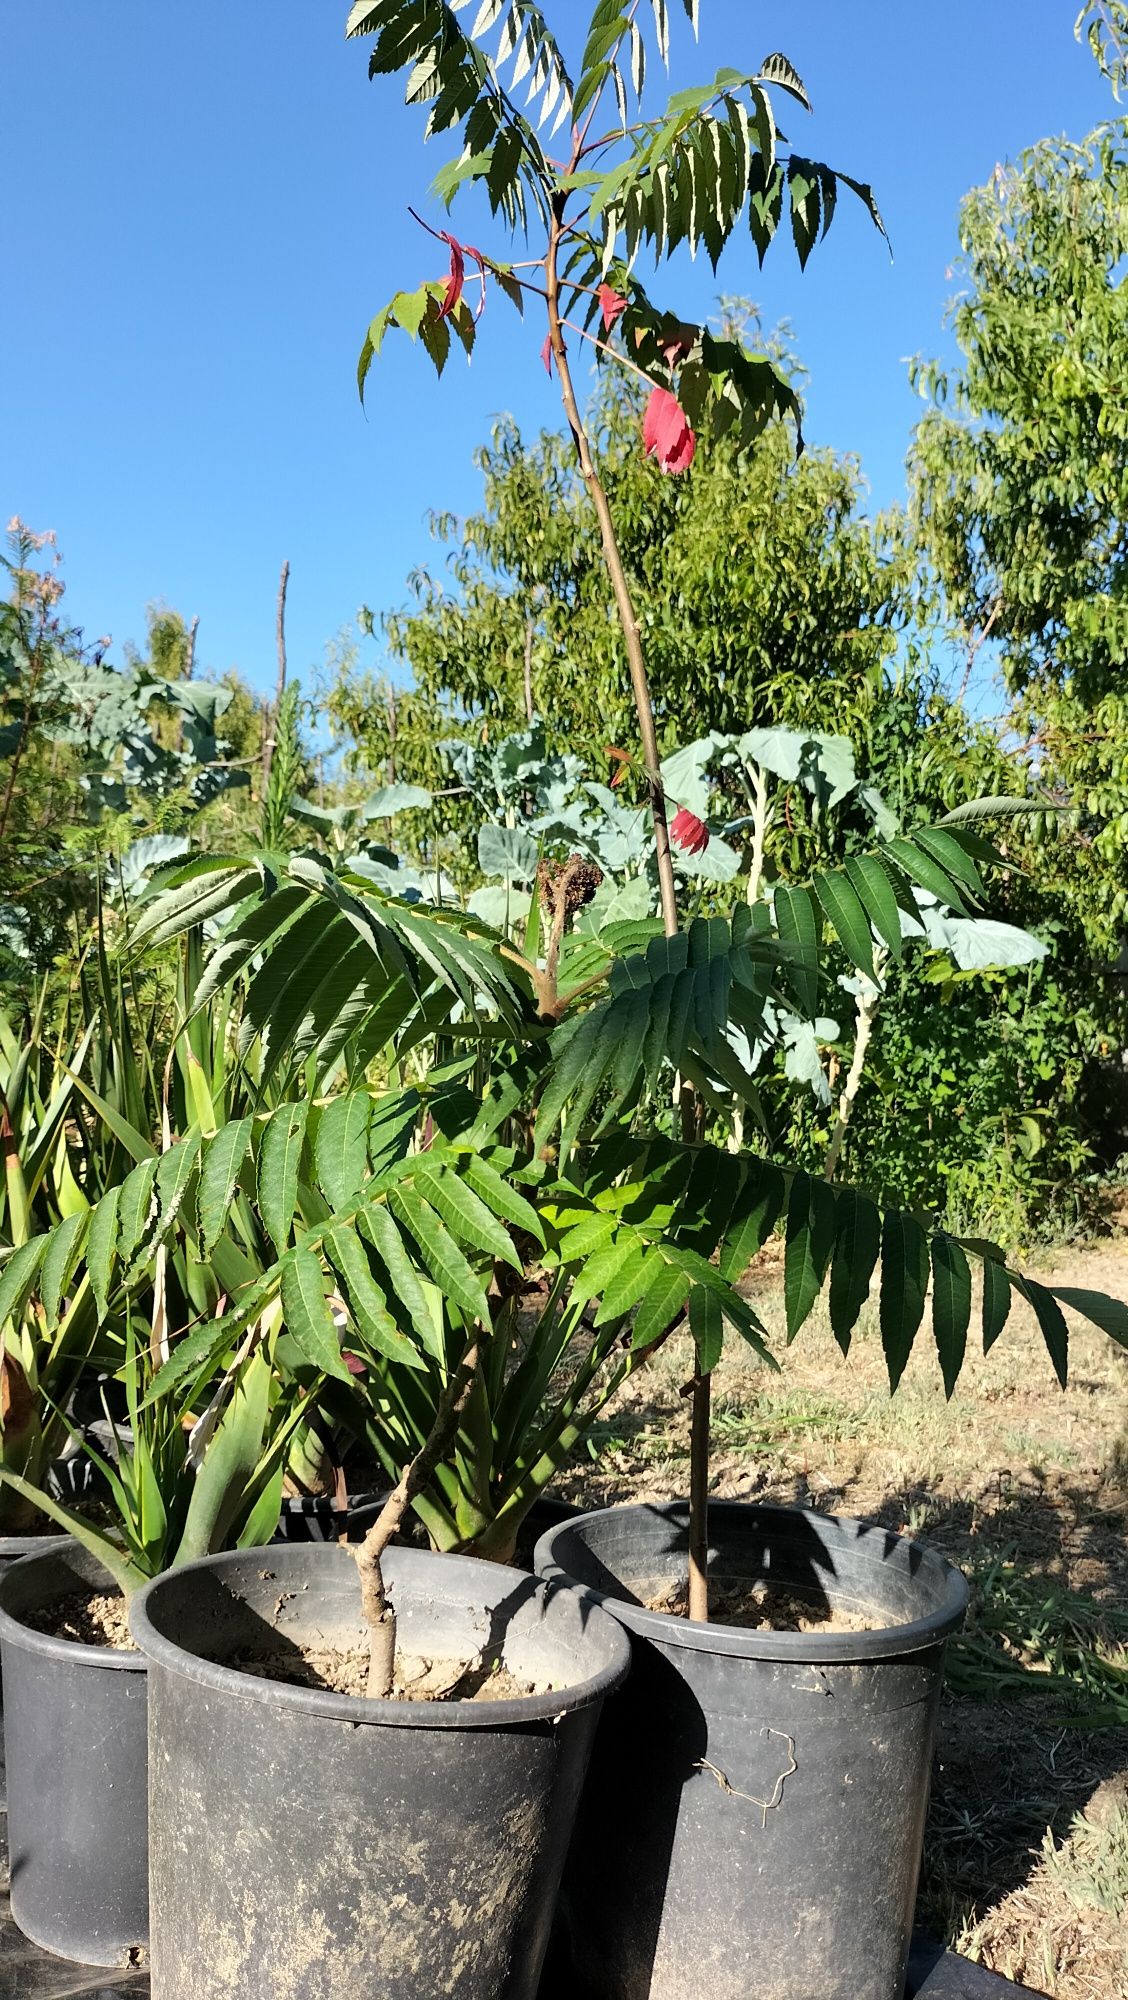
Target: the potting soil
pixel 756 1605
pixel 98 1619
pixel 345 1671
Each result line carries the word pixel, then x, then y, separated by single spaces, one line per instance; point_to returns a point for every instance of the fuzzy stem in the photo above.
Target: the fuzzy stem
pixel 644 706
pixel 378 1613
pixel 624 604
pixel 869 1003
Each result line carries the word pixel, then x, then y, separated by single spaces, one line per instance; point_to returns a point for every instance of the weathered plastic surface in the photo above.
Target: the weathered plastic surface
pixel 313 1518
pixel 308 1844
pixel 75 1748
pixel 26 1973
pixel 754 1813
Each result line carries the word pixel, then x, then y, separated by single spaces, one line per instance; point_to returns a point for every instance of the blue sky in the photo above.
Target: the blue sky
pixel 204 207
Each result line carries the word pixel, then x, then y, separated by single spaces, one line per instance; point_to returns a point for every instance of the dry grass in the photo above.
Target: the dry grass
pixel 1026 1487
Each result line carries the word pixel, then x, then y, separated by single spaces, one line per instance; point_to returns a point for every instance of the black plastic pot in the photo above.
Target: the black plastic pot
pixel 315 1517
pixel 75 1748
pixel 308 1843
pixel 13 1548
pixel 754 1812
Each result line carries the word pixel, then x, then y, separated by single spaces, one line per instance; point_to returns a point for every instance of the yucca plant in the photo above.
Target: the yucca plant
pixel 181 1484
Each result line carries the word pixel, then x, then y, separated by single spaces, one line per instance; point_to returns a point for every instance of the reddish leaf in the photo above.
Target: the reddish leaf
pixel 621 760
pixel 687 831
pixel 666 432
pixel 611 304
pixel 457 276
pixel 546 353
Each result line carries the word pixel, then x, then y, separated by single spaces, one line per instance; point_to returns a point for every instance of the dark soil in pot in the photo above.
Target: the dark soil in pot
pixel 75 1749
pixel 752 1823
pixel 306 1842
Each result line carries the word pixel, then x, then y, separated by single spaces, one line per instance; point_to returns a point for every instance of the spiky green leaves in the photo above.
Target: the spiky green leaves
pixel 329 963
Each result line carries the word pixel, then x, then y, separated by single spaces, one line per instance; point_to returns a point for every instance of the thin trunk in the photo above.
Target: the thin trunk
pixel 644 707
pixel 759 834
pixel 190 650
pixel 612 555
pixel 529 711
pixel 280 684
pixel 378 1612
pixel 699 1499
pixel 869 1004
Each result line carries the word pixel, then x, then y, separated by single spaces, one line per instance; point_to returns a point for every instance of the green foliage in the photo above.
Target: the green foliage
pixel 1021 467
pixel 178 1490
pixel 691 173
pixel 1103 24
pixel 98 766
pixel 765 596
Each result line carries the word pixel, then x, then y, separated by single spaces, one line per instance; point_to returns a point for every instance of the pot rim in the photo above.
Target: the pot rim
pixel 13 1548
pixel 733 1641
pixel 14 1632
pixel 375 1711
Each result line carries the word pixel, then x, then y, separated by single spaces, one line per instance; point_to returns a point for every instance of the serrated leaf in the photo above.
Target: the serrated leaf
pixel 219 1173
pixel 904 1287
pixel 64 1246
pixel 857 1242
pixel 847 918
pixel 872 887
pixel 468 1219
pixel 1111 1315
pixel 755 1213
pixel 137 1210
pixel 101 1248
pixel 279 1156
pixel 660 1305
pixel 923 869
pixel 305 1311
pixel 340 1146
pixel 951 1306
pixel 996 1302
pixel 171 1182
pixel 798 927
pixel 441 1256
pixel 631 1279
pixel 19 1275
pixel 367 1302
pixel 1052 1323
pixel 499 1195
pixel 706 1321
pixel 810 1240
pixel 404 1286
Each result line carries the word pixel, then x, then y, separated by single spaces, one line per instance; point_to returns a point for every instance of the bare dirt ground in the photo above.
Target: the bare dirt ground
pixel 1026 1487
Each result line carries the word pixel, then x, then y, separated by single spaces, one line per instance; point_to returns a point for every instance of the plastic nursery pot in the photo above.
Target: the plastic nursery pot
pixel 309 1843
pixel 75 1747
pixel 13 1548
pixel 754 1813
pixel 316 1517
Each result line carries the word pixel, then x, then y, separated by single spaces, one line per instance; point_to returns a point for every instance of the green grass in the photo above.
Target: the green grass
pixel 1025 1639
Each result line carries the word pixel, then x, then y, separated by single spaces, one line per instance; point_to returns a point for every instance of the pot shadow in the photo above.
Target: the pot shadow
pixel 1049 1571
pixel 656 1708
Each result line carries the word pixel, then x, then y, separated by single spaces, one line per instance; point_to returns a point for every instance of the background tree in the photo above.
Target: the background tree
pixel 764 590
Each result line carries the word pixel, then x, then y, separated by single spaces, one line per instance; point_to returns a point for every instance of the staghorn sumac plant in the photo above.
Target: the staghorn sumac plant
pixel 623 180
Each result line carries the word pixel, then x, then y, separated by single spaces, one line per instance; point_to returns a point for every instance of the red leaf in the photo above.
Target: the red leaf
pixel 688 832
pixel 457 276
pixel 622 762
pixel 611 304
pixel 666 432
pixel 546 353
